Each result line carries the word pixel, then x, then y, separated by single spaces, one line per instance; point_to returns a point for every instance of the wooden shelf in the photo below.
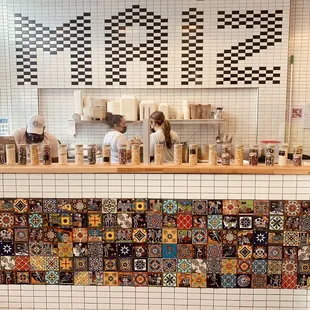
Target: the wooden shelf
pixel 152 169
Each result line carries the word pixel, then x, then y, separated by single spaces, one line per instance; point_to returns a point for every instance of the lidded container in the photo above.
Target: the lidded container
pixel 212 154
pixel 122 154
pixel 177 154
pixel 106 154
pixel 226 150
pixel 253 155
pixel 269 155
pixel 63 157
pixel 135 154
pixel 2 154
pixel 91 154
pixel 283 153
pixel 159 154
pixel 239 155
pixel 297 155
pixel 34 154
pixel 79 156
pixel 47 154
pixel 22 154
pixel 10 154
pixel 193 154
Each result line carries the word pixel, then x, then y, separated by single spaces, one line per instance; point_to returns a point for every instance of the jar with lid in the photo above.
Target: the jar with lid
pixel 91 154
pixel 22 154
pixel 283 153
pixel 79 155
pixel 47 154
pixel 226 155
pixel 253 155
pixel 34 154
pixel 269 155
pixel 297 155
pixel 106 154
pixel 193 154
pixel 63 157
pixel 135 154
pixel 177 154
pixel 159 154
pixel 239 155
pixel 122 154
pixel 212 154
pixel 2 154
pixel 10 154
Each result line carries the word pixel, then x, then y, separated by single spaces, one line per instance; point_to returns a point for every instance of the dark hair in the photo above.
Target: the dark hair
pixel 114 119
pixel 159 118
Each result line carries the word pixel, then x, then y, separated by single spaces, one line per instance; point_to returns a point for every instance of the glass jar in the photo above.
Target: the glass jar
pixel 283 153
pixel 177 154
pixel 225 155
pixel 239 155
pixel 47 154
pixel 63 157
pixel 269 155
pixel 159 154
pixel 10 154
pixel 122 154
pixel 107 154
pixel 79 154
pixel 297 155
pixel 34 154
pixel 193 154
pixel 91 154
pixel 2 154
pixel 135 154
pixel 22 154
pixel 253 155
pixel 212 154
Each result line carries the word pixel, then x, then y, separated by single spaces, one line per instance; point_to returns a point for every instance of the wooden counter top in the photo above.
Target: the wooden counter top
pixel 166 168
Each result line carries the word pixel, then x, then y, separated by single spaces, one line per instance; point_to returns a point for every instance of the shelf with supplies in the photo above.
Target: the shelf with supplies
pixel 71 129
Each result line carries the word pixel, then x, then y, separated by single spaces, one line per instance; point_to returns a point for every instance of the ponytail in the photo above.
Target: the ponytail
pixel 166 127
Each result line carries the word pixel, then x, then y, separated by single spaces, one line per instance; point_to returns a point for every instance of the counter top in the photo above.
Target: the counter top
pixel 166 168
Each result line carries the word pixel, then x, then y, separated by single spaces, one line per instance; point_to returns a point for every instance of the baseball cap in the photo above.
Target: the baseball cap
pixel 35 124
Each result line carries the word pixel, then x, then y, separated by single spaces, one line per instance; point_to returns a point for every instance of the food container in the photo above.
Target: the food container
pixel 253 155
pixel 34 154
pixel 193 154
pixel 122 154
pixel 10 154
pixel 212 154
pixel 283 153
pixel 47 154
pixel 135 154
pixel 22 154
pixel 297 155
pixel 225 157
pixel 91 154
pixel 159 154
pixel 269 155
pixel 2 154
pixel 129 107
pixel 147 107
pixel 106 154
pixel 177 154
pixel 239 155
pixel 184 152
pixel 79 156
pixel 63 157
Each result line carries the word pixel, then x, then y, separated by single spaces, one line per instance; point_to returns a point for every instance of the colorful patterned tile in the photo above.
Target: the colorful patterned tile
pixel 155 205
pixel 184 265
pixel 200 207
pixel 199 265
pixel 215 221
pixel 274 267
pixel 244 266
pixel 22 277
pixel 169 279
pixel 259 281
pixel 184 206
pixel 259 266
pixel 37 277
pixel 22 263
pixel 229 266
pixel 7 262
pixel 289 281
pixel 260 252
pixel 20 205
pixel 154 250
pixel 291 238
pixel 170 206
pixel 184 279
pixel 230 207
pixel 215 207
pixel 292 208
pixel 139 235
pixel 244 281
pixel 169 265
pixel 184 221
pixel 140 205
pixel 228 281
pixel 140 279
pixel 169 235
pixel 261 208
pixel 289 267
pixel 125 279
pixel 199 280
pixel 66 278
pixel 170 250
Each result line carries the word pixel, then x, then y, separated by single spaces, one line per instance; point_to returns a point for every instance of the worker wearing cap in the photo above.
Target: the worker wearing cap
pixel 35 133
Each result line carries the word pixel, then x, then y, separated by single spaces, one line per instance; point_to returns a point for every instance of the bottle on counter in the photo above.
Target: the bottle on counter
pixel 253 155
pixel 297 155
pixel 269 155
pixel 91 154
pixel 283 153
pixel 226 151
pixel 10 154
pixel 22 154
pixel 177 154
pixel 212 154
pixel 122 154
pixel 47 154
pixel 239 155
pixel 135 154
pixel 106 154
pixel 63 156
pixel 79 154
pixel 193 154
pixel 159 154
pixel 2 154
pixel 34 154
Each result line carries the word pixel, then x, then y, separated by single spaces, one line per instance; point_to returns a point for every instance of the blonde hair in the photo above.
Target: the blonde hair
pixel 159 118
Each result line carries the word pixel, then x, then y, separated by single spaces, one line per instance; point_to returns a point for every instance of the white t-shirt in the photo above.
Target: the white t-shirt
pixel 115 139
pixel 20 138
pixel 159 137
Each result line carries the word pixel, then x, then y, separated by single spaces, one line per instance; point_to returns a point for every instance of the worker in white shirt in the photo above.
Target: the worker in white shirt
pixel 35 133
pixel 115 137
pixel 162 133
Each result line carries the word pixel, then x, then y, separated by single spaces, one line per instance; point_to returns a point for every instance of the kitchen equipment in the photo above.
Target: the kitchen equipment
pixel 206 111
pixel 186 109
pixel 113 107
pixel 203 152
pixel 184 152
pixel 78 102
pixel 129 107
pixel 147 107
pixel 217 113
pixel 98 109
pixel 163 107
